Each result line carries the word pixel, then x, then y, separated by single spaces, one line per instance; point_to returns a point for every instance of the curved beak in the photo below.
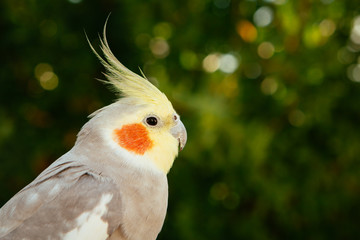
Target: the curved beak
pixel 179 132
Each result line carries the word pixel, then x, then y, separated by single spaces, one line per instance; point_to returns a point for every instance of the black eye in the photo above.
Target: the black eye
pixel 175 117
pixel 152 121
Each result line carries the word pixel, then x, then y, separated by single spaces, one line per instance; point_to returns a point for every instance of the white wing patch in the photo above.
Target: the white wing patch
pixel 89 224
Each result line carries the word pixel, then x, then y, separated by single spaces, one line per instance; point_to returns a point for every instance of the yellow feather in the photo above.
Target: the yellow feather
pixel 127 83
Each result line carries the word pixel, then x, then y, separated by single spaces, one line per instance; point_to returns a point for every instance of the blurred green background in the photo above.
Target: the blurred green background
pixel 269 91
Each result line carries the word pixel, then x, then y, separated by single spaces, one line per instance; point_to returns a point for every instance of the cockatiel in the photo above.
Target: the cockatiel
pixel 112 184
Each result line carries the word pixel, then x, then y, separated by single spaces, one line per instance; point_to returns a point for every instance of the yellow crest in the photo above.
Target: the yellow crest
pixel 127 83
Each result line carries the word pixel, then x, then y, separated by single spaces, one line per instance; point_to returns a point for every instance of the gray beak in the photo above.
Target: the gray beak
pixel 179 132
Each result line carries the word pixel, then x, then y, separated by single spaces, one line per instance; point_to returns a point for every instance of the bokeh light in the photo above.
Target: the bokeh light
pixel 246 30
pixel 269 86
pixel 266 50
pixel 355 31
pixel 263 16
pixel 327 27
pixel 211 62
pixel 314 75
pixel 353 72
pixel 188 59
pixel 345 56
pixel 159 47
pixel 312 36
pixel 296 118
pixel 163 30
pixel 228 63
pixel 47 78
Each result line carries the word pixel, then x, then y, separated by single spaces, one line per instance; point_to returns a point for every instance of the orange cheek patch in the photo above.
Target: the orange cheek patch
pixel 133 137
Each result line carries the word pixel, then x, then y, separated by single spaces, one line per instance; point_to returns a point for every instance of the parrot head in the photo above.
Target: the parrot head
pixel 142 125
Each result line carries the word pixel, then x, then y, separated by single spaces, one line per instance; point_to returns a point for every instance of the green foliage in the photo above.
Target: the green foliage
pixel 269 92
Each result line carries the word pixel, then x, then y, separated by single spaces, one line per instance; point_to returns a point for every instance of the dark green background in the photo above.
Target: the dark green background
pixel 273 148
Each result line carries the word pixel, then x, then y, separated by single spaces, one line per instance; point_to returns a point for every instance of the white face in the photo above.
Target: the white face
pixel 148 133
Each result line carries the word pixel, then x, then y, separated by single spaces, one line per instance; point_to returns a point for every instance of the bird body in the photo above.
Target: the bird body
pixel 112 184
